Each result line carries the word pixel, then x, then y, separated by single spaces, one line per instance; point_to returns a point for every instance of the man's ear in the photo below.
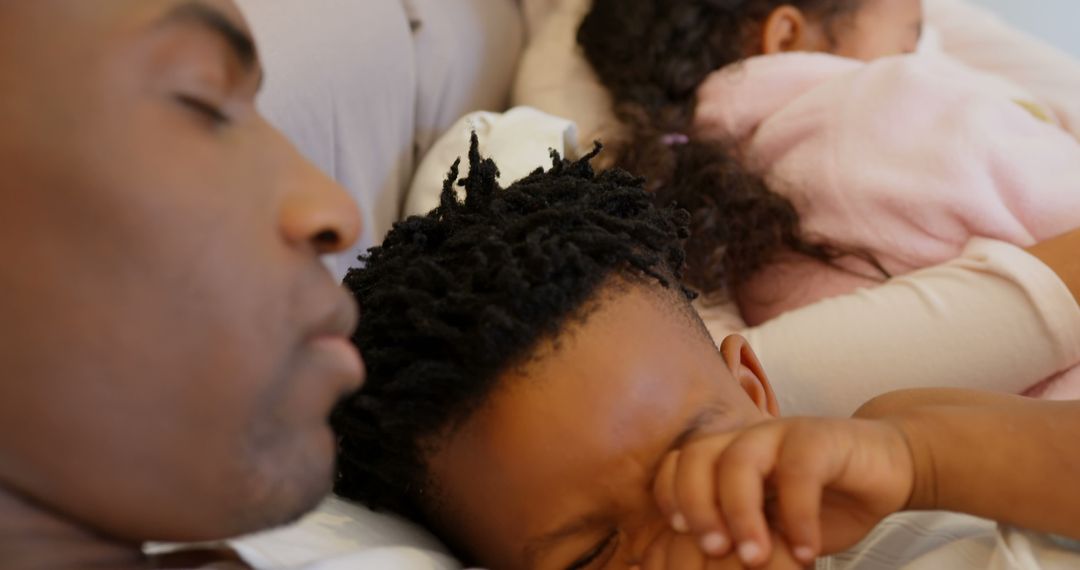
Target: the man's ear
pixel 787 29
pixel 748 372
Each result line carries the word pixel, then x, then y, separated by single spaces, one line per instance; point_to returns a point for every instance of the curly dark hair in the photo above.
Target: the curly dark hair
pixel 453 299
pixel 652 55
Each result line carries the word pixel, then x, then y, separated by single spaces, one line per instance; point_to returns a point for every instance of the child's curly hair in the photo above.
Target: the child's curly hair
pixel 652 55
pixel 453 299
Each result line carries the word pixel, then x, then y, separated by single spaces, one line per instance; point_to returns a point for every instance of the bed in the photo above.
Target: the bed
pixel 366 87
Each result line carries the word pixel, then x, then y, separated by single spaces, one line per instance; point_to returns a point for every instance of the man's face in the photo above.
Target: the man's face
pixel 172 344
pixel 556 470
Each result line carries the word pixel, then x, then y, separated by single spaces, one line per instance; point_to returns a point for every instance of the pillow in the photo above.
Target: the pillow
pixel 520 141
pixel 340 534
pixel 555 77
pixel 467 54
pixel 319 59
pixel 363 87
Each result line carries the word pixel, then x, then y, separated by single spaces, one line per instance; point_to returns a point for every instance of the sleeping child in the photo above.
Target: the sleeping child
pixel 817 151
pixel 543 396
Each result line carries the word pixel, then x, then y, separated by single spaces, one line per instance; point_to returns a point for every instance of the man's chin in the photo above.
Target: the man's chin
pixel 315 479
pixel 303 482
pixel 285 511
pixel 306 505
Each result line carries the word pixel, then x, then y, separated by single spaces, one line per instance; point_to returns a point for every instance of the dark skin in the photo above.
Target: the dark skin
pixel 172 343
pixel 632 442
pixel 575 440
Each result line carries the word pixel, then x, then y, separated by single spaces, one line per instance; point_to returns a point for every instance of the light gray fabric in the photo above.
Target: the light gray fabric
pixel 341 84
pixel 466 57
pixel 364 87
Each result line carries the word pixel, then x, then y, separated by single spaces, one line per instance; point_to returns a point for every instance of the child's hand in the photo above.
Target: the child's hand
pixel 674 551
pixel 821 484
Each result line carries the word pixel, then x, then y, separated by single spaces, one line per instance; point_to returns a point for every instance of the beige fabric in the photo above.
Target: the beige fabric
pixel 554 75
pixel 535 12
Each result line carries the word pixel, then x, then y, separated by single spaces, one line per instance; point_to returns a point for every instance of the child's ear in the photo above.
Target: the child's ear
pixel 788 29
pixel 748 372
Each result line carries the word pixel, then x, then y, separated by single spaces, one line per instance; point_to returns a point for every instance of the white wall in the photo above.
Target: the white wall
pixel 1056 21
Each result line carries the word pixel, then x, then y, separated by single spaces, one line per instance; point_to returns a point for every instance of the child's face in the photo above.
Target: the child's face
pixel 558 467
pixel 880 28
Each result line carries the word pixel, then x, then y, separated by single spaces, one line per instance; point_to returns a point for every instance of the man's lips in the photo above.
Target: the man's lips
pixel 342 319
pixel 345 358
pixel 332 340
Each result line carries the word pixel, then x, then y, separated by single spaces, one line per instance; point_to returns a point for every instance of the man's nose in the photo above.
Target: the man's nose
pixel 318 211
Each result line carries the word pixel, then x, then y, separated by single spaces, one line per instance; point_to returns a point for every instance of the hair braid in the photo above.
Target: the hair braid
pixel 652 55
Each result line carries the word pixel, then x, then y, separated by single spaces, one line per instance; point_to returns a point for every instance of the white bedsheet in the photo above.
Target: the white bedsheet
pixel 340 535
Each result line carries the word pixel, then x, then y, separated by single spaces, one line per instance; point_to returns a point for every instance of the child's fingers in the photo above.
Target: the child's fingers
pixel 664 492
pixel 781 559
pixel 801 474
pixel 744 467
pixel 673 551
pixel 696 494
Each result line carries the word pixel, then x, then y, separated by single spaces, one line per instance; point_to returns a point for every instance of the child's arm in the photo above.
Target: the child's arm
pixel 827 483
pixel 1060 254
pixel 996 319
pixel 1004 458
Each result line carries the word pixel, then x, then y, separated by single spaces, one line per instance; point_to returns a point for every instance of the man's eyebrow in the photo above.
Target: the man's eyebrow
pixel 689 430
pixel 241 43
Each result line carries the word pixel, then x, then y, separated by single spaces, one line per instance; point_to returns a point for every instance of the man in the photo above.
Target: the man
pixel 543 395
pixel 172 343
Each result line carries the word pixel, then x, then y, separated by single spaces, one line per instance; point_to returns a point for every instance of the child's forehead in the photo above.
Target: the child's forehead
pixel 629 362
